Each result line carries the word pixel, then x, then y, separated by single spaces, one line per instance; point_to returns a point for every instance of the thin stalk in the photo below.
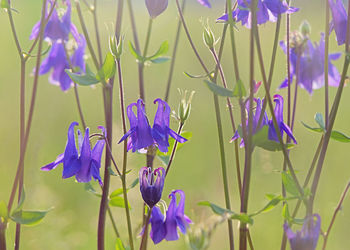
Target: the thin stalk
pixel 326 234
pixel 173 57
pixel 13 30
pixel 97 33
pixel 125 195
pixel 219 126
pixel 297 70
pixel 326 63
pixel 2 236
pixel 148 37
pixel 144 239
pixel 332 117
pixel 289 101
pixel 173 150
pixel 118 23
pixel 114 225
pixel 20 165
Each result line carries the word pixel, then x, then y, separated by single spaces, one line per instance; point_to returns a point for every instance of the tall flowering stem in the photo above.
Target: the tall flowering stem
pixel 219 125
pixel 326 63
pixel 331 120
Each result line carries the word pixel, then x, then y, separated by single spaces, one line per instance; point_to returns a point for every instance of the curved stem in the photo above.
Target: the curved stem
pixel 326 63
pixel 98 40
pixel 173 57
pixel 173 150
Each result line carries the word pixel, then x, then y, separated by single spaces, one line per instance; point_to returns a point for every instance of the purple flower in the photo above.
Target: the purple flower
pixel 205 3
pixel 256 118
pixel 339 22
pixel 151 185
pixel 268 10
pixel 142 135
pixel 311 66
pixel 84 165
pixel 57 28
pixel 166 228
pixel 307 238
pixel 156 7
pixel 281 125
pixel 140 131
pixel 161 130
pixel 57 60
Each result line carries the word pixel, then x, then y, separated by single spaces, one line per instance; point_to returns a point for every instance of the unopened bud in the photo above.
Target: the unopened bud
pixel 209 38
pixel 305 28
pixel 116 47
pixel 185 107
pixel 156 7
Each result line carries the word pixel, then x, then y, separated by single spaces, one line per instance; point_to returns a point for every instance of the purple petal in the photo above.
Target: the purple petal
pixel 156 7
pixel 158 229
pixel 84 175
pixel 205 3
pixel 54 164
pixel 71 164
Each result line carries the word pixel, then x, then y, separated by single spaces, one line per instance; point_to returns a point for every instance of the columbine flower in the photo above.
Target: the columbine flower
pixel 161 130
pixel 339 22
pixel 205 3
pixel 156 7
pixel 311 65
pixel 268 10
pixel 281 125
pixel 151 185
pixel 307 238
pixel 140 131
pixel 57 60
pixel 166 228
pixel 256 118
pixel 83 166
pixel 57 28
pixel 142 135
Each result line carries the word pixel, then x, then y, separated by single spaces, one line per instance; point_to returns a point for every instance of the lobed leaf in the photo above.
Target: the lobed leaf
pixel 87 79
pixel 164 47
pixel 118 201
pixel 108 68
pixel 239 90
pixel 218 90
pixel 29 218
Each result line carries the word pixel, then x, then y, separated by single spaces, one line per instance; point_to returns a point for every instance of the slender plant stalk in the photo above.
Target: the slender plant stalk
pixel 173 57
pixel 297 70
pixel 97 33
pixel 2 236
pixel 326 234
pixel 173 150
pixel 219 126
pixel 326 63
pixel 144 238
pixel 125 155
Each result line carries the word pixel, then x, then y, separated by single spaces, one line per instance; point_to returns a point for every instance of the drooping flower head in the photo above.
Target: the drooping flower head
pixel 340 19
pixel 272 135
pixel 166 228
pixel 83 166
pixel 307 238
pixel 268 10
pixel 57 29
pixel 58 62
pixel 151 185
pixel 140 131
pixel 256 117
pixel 156 7
pixel 161 130
pixel 142 135
pixel 205 3
pixel 308 62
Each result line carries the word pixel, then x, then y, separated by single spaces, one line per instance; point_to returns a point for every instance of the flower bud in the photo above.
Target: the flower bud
pixel 151 185
pixel 185 107
pixel 209 38
pixel 116 47
pixel 156 7
pixel 305 28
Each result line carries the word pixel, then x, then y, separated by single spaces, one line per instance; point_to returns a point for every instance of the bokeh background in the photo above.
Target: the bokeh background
pixel 72 223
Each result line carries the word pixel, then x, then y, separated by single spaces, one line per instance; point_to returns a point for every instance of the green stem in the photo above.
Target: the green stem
pixel 173 57
pixel 219 126
pixel 97 33
pixel 326 62
pixel 144 239
pixel 173 150
pixel 125 155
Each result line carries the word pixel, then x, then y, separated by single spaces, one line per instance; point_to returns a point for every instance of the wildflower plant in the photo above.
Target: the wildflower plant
pixel 260 112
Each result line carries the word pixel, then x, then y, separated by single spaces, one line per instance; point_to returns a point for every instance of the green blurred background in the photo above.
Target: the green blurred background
pixel 73 222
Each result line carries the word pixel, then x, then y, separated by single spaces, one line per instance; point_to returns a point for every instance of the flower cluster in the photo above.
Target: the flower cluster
pixel 268 10
pixel 272 134
pixel 142 135
pixel 308 236
pixel 84 165
pixel 57 32
pixel 307 60
pixel 166 227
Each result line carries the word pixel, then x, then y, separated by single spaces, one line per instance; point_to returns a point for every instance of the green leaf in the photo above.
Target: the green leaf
pixel 270 205
pixel 4 4
pixel 118 201
pixel 239 90
pixel 227 213
pixel 108 68
pixel 318 130
pixel 28 218
pixel 134 183
pixel 164 47
pixel 119 245
pixel 164 159
pixel 21 201
pixel 260 139
pixel 198 76
pixel 4 214
pixel 116 193
pixel 218 90
pixel 85 80
pixel 161 59
pixel 89 188
pixel 135 53
pixel 320 121
pixel 289 184
pixel 111 172
pixel 339 136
